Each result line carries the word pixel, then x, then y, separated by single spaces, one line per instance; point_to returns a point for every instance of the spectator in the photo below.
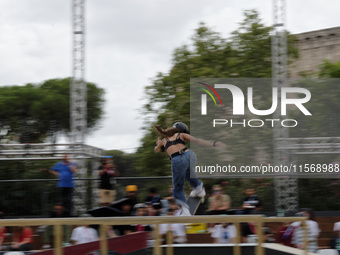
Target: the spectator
pixel 58 212
pixel 140 210
pixel 169 204
pixel 284 234
pixel 313 232
pixel 84 234
pixel 178 229
pixel 110 233
pixel 335 242
pixel 106 192
pixel 251 202
pixel 126 208
pixel 131 194
pixel 64 171
pixel 165 202
pixel 154 201
pixel 22 239
pixel 218 202
pixel 224 233
pixel 169 193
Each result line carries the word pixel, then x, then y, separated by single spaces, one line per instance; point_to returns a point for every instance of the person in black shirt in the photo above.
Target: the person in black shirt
pixel 131 195
pixel 106 192
pixel 251 202
pixel 154 201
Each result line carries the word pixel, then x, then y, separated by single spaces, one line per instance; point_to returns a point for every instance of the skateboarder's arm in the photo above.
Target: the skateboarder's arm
pixel 159 145
pixel 217 144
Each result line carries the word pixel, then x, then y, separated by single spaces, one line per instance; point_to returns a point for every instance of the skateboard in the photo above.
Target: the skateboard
pixel 194 203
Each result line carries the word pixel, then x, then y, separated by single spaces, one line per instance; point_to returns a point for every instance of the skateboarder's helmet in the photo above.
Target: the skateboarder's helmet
pixel 181 127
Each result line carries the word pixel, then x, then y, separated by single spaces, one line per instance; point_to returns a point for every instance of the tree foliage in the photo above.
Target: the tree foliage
pixel 329 69
pixel 34 111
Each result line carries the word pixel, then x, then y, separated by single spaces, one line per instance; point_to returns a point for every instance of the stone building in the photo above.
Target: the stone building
pixel 314 47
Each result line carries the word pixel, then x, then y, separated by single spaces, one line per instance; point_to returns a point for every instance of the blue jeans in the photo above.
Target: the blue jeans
pixel 182 168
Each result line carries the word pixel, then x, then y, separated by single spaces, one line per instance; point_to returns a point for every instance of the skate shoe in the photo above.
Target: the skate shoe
pixel 184 211
pixel 199 191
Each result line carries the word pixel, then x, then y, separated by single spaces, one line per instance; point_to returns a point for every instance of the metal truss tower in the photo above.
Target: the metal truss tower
pixel 286 188
pixel 78 85
pixel 78 91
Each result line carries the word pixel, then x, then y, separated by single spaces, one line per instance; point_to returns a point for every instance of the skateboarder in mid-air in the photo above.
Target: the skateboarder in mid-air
pixel 183 160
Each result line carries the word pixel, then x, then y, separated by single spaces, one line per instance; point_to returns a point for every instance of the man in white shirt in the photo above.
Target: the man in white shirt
pixel 84 234
pixel 178 229
pixel 313 232
pixel 224 233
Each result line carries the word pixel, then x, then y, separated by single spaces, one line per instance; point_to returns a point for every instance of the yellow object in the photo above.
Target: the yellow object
pixel 132 188
pixel 196 228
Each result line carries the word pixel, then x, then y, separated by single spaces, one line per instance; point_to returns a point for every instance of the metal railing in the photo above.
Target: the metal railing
pixel 47 151
pixel 258 220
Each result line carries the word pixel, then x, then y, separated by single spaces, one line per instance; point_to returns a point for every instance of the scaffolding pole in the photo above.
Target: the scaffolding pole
pixel 286 188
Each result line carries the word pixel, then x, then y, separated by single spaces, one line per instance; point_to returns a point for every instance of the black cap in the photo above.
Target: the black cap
pixel 181 127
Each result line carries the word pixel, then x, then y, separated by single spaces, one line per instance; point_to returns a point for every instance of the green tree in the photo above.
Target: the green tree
pixel 329 69
pixel 35 111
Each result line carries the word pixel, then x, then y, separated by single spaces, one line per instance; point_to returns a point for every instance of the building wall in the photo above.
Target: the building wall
pixel 314 47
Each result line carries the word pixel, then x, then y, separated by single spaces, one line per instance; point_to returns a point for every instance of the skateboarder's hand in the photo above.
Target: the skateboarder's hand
pixel 220 145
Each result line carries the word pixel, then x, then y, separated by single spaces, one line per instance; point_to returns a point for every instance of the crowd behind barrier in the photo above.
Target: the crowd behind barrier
pixel 217 202
pixel 155 222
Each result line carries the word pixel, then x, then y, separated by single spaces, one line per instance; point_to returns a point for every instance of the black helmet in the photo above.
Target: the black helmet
pixel 181 127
